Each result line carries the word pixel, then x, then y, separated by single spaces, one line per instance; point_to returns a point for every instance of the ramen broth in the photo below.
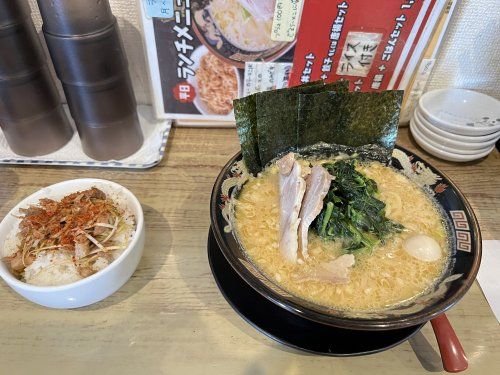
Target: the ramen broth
pixel 385 277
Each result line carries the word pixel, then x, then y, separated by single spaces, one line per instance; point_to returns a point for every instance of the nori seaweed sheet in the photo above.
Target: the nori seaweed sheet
pixel 246 126
pixel 341 86
pixel 323 150
pixel 350 119
pixel 277 125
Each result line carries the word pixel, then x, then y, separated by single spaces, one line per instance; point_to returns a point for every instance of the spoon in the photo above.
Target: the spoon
pixel 452 353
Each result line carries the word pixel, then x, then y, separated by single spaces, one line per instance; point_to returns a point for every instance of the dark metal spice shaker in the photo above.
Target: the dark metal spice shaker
pixel 120 136
pixel 75 17
pixel 92 67
pixel 88 56
pixel 20 49
pixel 13 11
pixel 31 115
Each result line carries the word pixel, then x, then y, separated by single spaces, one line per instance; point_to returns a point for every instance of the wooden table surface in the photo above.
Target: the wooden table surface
pixel 170 317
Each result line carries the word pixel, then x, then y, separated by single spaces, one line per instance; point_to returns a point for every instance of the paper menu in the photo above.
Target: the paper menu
pixel 488 275
pixel 359 41
pixel 198 55
pixel 372 44
pixel 419 68
pixel 261 76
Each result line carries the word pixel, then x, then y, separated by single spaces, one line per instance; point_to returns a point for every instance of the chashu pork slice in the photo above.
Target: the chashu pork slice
pixel 336 271
pixel 317 186
pixel 292 189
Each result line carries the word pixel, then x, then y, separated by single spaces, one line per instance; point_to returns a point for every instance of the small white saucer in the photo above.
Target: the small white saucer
pixel 461 111
pixel 457 146
pixel 442 154
pixel 486 139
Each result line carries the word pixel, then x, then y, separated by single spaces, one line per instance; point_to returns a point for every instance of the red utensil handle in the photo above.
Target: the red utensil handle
pixel 452 353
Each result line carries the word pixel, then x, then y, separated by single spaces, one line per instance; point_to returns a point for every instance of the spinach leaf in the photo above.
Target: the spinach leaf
pixel 352 212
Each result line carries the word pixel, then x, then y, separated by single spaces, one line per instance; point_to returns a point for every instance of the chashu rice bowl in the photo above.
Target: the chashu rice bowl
pixel 61 240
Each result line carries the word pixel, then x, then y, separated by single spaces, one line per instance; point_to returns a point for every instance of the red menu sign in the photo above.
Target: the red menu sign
pixel 365 42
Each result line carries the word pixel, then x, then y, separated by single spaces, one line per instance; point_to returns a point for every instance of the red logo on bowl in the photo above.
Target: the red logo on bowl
pixel 184 92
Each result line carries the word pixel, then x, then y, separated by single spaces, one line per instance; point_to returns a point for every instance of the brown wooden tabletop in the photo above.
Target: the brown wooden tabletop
pixel 170 317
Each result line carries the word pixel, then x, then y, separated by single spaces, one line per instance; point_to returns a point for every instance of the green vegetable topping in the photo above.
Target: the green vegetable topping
pixel 352 213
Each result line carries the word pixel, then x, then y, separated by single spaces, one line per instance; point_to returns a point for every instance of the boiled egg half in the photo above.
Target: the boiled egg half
pixel 423 248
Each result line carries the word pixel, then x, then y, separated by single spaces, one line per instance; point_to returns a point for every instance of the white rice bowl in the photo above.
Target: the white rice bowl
pixel 59 285
pixel 57 268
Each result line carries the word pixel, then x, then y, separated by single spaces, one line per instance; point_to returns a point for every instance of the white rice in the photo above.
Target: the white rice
pixel 52 268
pixel 11 242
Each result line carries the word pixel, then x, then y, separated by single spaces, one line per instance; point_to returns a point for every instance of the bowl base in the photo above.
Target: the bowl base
pixel 290 329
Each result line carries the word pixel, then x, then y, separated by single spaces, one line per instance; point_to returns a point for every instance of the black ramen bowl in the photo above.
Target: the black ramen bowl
pixel 465 240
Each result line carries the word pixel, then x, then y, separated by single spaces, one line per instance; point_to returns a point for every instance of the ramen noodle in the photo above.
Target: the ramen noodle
pixel 217 84
pixel 246 27
pixel 385 277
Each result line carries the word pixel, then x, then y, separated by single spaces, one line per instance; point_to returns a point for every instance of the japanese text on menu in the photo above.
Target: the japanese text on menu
pixel 183 46
pixel 182 27
pixel 360 50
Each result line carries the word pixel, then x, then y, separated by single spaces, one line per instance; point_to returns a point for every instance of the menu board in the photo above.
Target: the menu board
pixel 210 52
pixel 365 42
pixel 203 54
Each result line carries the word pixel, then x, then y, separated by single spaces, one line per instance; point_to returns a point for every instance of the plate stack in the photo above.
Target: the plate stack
pixel 456 124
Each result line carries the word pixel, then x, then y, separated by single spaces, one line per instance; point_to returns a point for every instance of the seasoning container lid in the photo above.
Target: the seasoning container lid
pixel 75 17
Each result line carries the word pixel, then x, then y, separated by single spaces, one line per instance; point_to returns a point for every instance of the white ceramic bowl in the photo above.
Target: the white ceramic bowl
pixel 90 289
pixel 485 139
pixel 458 146
pixel 442 154
pixel 461 111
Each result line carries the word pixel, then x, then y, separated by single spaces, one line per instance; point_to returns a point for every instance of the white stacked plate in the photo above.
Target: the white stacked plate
pixel 456 124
